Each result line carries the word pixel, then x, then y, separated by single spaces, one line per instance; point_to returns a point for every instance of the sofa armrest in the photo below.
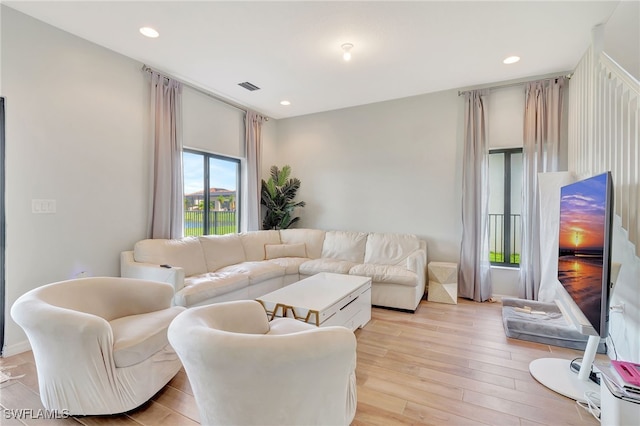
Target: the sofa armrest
pixel 417 262
pixel 129 268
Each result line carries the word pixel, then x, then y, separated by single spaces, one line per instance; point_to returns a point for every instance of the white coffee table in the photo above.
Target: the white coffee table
pixel 324 299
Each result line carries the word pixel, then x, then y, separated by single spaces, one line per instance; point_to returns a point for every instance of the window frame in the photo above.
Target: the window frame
pixel 206 156
pixel 506 223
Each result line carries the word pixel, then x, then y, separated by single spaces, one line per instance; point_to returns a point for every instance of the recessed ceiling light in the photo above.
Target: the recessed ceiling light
pixel 149 32
pixel 346 51
pixel 511 60
pixel 285 103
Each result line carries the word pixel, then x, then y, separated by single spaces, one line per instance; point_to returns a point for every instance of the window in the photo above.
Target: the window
pixel 505 206
pixel 215 210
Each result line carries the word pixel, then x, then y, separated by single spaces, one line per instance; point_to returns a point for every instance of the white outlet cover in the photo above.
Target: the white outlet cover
pixel 43 206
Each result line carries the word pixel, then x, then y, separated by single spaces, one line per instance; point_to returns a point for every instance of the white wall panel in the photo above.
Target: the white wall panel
pixel 389 167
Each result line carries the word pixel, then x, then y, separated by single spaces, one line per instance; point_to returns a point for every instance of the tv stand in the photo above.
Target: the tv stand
pixel 556 374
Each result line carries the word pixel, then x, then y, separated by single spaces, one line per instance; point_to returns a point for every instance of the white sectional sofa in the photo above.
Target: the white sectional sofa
pixel 211 269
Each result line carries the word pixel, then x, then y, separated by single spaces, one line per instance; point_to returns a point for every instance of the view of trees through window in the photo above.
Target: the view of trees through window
pixel 214 210
pixel 505 206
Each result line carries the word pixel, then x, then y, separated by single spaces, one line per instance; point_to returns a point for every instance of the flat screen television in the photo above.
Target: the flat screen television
pixel 584 269
pixel 584 250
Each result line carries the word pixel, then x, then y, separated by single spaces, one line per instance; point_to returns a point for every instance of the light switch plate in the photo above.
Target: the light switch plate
pixel 43 206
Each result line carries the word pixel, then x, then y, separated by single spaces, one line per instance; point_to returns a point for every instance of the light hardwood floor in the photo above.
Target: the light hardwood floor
pixel 445 364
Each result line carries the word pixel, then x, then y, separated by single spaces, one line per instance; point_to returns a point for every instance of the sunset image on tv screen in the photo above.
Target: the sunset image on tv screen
pixel 581 243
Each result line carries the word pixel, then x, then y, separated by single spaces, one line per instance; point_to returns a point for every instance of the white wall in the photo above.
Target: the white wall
pixel 389 167
pixel 623 326
pixel 622 36
pixel 78 132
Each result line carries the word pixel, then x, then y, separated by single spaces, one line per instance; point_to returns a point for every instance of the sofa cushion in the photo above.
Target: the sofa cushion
pixel 257 271
pixel 312 239
pixel 137 337
pixel 274 251
pixel 390 249
pixel 386 274
pixel 255 242
pixel 279 326
pixel 209 285
pixel 315 266
pixel 344 245
pixel 222 250
pixel 549 329
pixel 185 253
pixel 291 265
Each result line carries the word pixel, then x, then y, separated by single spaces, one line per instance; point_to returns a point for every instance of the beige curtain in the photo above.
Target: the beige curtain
pixel 166 219
pixel 542 141
pixel 253 152
pixel 474 276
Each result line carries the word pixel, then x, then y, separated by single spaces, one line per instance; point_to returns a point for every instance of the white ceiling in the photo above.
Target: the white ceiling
pixel 291 50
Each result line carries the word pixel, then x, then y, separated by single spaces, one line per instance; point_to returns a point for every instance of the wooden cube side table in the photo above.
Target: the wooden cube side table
pixel 443 282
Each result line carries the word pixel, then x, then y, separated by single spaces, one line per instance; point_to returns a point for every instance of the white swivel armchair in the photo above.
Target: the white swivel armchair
pixel 246 370
pixel 100 344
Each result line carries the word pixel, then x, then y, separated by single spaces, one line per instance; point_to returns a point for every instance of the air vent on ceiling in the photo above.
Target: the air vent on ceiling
pixel 249 86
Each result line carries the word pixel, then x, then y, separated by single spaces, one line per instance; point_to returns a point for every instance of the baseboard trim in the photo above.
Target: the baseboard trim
pixel 15 349
pixel 499 297
pixel 408 311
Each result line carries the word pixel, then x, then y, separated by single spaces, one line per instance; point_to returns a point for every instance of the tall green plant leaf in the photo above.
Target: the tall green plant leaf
pixel 277 195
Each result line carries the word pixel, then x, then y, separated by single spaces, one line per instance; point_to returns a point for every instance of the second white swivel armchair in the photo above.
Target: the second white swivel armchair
pixel 246 370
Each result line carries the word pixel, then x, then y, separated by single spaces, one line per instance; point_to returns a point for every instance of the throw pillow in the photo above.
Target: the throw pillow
pixel 274 251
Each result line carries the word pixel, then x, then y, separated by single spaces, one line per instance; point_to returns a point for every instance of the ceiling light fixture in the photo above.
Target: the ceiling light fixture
pixel 285 103
pixel 346 51
pixel 149 32
pixel 511 60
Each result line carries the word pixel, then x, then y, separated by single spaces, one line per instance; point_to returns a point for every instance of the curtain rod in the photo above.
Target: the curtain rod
pixel 502 86
pixel 148 69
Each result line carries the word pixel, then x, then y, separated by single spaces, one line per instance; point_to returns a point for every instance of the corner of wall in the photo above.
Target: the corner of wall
pixel 16 348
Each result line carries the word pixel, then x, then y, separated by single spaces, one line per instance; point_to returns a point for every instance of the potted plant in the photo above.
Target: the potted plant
pixel 277 196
